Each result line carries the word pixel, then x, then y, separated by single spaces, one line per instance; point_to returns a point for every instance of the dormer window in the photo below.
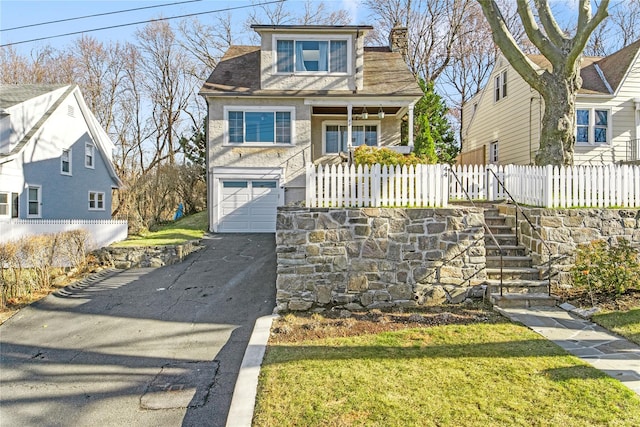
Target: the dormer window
pixel 312 56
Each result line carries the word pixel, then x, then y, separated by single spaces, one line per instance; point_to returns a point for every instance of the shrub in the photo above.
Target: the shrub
pixel 366 155
pixel 607 269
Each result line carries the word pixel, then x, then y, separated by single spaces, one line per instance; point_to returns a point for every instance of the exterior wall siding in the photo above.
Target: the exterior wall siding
pixel 62 196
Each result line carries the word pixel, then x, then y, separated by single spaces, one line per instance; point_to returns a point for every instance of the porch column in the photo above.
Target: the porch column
pixel 411 125
pixel 349 115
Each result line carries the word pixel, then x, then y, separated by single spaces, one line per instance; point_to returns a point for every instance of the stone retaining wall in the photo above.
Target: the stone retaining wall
pixel 154 256
pixel 377 258
pixel 564 229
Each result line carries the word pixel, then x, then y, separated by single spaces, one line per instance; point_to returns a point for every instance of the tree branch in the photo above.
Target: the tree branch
pixel 552 52
pixel 551 27
pixel 586 25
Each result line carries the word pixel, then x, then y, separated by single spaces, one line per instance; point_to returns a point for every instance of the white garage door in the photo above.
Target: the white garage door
pixel 248 206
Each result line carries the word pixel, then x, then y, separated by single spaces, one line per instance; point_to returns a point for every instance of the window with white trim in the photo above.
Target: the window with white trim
pixel 259 126
pixel 335 136
pixel 34 201
pixel 96 201
pixel 65 162
pixel 5 208
pixel 500 86
pixel 329 55
pixel 493 152
pixel 89 155
pixel 593 126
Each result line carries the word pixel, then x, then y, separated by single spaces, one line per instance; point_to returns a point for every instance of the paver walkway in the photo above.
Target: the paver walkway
pixel 612 354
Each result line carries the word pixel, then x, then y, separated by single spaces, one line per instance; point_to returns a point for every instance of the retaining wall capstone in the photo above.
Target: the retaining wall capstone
pixel 153 256
pixel 564 230
pixel 366 258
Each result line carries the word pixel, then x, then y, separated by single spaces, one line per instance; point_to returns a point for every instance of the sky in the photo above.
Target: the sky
pixel 16 13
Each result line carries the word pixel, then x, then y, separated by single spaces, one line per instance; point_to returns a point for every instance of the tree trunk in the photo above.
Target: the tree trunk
pixel 557 137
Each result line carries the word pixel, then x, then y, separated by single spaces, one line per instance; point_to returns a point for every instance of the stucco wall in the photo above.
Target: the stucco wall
pixel 377 258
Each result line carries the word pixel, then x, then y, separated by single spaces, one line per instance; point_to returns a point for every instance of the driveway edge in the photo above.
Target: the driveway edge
pixel 244 394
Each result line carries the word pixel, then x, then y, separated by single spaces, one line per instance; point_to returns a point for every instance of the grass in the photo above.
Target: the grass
pixel 188 228
pixel 478 374
pixel 625 323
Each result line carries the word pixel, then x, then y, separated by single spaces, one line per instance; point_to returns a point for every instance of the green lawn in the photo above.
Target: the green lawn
pixel 625 323
pixel 481 374
pixel 185 229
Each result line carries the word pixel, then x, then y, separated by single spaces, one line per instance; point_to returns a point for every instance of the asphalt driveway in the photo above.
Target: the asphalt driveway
pixel 141 347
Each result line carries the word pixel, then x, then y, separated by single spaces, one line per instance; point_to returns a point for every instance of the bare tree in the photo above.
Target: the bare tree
pixel 317 13
pixel 558 85
pixel 206 43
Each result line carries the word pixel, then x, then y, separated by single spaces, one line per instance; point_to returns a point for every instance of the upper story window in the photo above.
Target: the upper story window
pixel 89 156
pixel 312 56
pixel 259 126
pixel 500 86
pixel 65 162
pixel 593 126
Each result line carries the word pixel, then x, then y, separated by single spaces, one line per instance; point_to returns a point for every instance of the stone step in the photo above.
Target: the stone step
pixel 517 286
pixel 495 220
pixel 523 300
pixel 502 239
pixel 508 250
pixel 491 212
pixel 501 229
pixel 513 273
pixel 509 261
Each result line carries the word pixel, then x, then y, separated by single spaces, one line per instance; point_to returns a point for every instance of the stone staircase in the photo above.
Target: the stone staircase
pixel 522 284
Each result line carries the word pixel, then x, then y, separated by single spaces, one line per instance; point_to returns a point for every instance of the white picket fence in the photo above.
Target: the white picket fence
pixel 436 185
pixel 103 232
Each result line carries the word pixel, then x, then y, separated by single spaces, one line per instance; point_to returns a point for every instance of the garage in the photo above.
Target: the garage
pixel 248 206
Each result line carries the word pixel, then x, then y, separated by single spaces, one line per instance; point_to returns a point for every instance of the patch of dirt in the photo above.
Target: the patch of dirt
pixel 608 302
pixel 342 323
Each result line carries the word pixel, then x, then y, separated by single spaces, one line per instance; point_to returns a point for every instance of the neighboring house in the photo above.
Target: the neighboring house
pixel 501 124
pixel 307 94
pixel 55 158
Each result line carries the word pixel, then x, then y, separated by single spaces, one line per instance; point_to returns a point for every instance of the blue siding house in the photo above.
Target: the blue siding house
pixel 55 158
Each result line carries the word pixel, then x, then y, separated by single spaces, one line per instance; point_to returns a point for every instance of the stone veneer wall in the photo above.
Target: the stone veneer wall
pixel 564 229
pixel 153 256
pixel 377 258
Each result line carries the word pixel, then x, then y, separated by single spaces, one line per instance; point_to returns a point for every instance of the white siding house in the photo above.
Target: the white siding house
pixel 505 128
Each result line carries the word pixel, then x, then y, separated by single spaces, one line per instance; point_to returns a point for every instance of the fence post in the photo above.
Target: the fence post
pixel 310 185
pixel 444 184
pixel 547 195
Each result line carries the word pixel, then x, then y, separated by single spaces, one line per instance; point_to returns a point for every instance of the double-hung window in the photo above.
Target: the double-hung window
pixel 96 201
pixel 260 126
pixel 312 56
pixel 89 155
pixel 493 153
pixel 500 86
pixel 65 162
pixel 33 201
pixel 335 136
pixel 592 126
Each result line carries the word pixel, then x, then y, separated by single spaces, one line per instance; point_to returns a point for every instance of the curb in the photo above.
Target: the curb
pixel 244 394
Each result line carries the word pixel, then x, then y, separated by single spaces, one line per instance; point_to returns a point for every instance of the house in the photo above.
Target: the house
pixel 55 158
pixel 501 123
pixel 307 94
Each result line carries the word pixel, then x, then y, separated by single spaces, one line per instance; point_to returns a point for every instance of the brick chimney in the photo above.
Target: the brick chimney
pixel 398 40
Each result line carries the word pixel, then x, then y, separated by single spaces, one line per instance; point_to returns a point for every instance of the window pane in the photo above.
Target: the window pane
pixel 285 56
pixel 504 84
pixel 100 201
pixel 4 204
pixel 263 184
pixel 497 88
pixel 235 126
pixel 15 199
pixel 33 194
pixel 4 198
pixel 33 208
pixel 234 184
pixel 582 117
pixel 283 127
pixel 357 136
pixel 602 117
pixel 600 134
pixel 338 56
pixel 582 134
pixel 312 55
pixel 332 139
pixel 371 135
pixel 259 127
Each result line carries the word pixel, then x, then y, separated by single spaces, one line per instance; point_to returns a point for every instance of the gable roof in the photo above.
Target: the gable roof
pixel 238 73
pixel 12 95
pixel 600 75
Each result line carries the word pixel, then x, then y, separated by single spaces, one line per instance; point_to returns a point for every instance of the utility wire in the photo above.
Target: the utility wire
pixel 142 22
pixel 95 15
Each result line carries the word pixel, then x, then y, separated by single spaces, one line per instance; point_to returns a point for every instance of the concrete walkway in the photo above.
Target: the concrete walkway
pixel 602 349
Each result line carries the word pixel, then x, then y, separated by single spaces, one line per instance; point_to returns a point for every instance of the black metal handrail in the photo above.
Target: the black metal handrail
pixel 486 227
pixel 533 227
